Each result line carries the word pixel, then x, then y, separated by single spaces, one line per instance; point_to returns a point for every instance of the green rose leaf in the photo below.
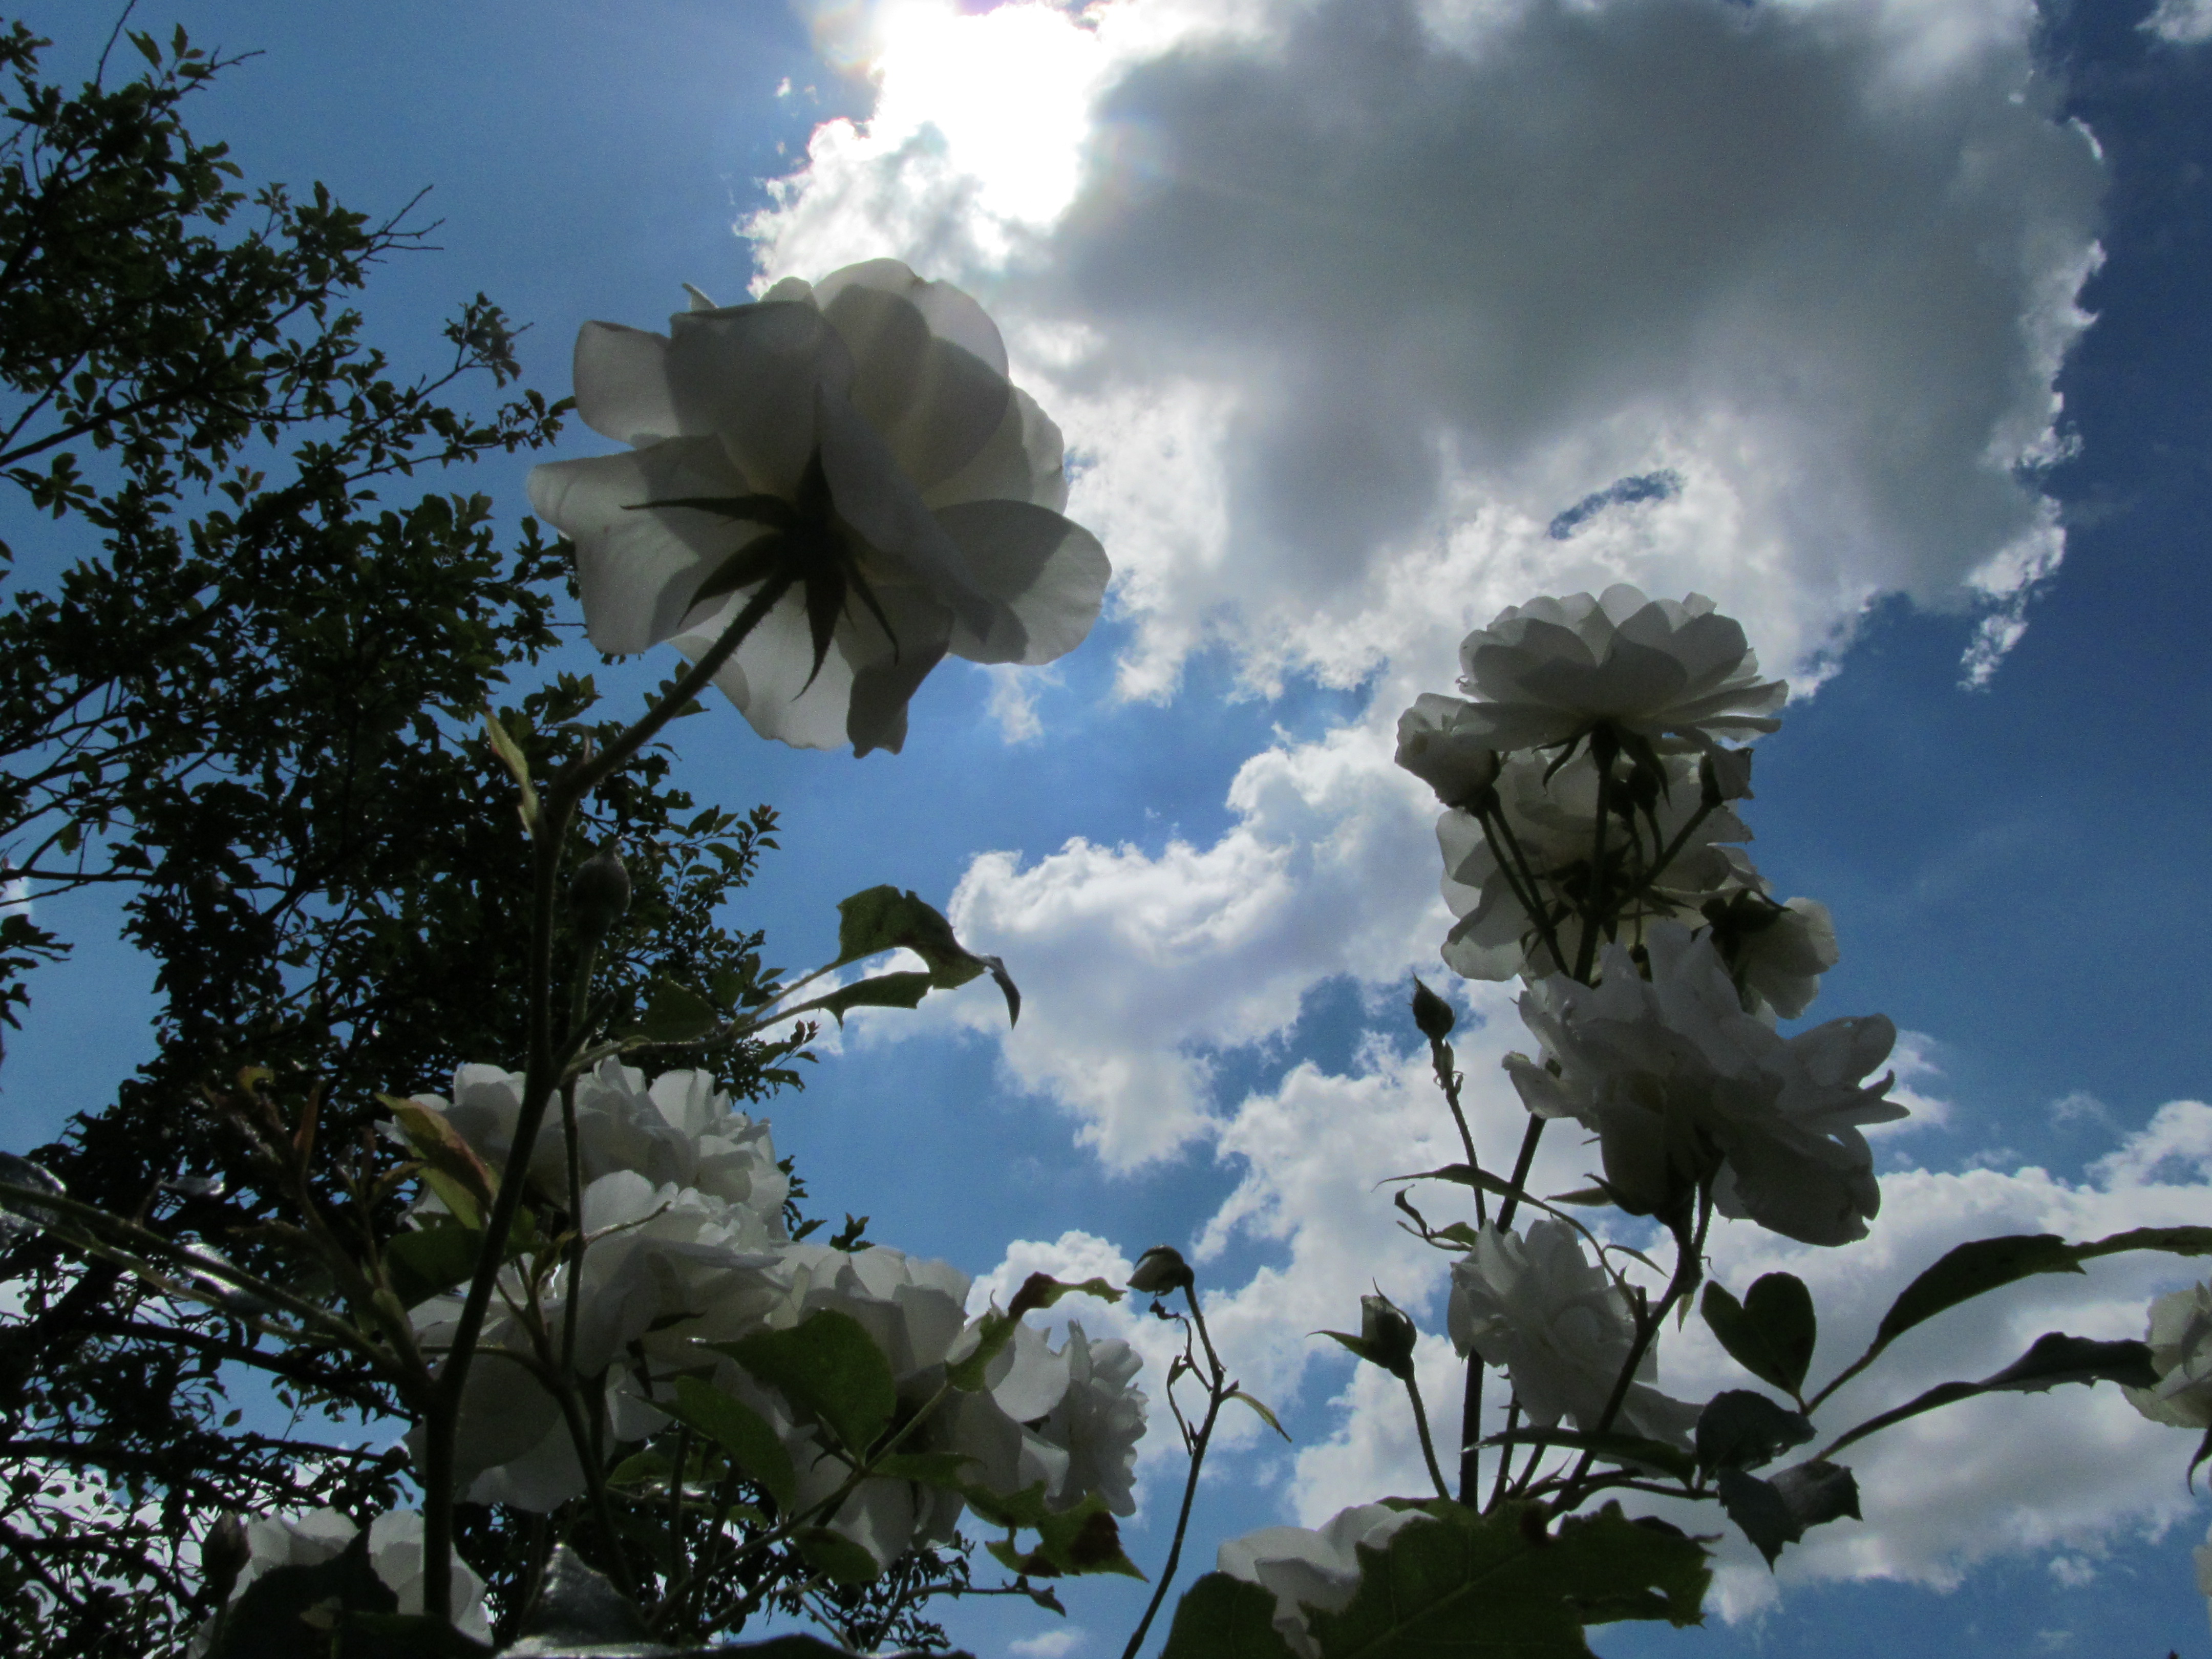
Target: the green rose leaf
pixel 896 990
pixel 427 1260
pixel 1771 1333
pixel 1492 1585
pixel 675 1013
pixel 741 1431
pixel 827 1364
pixel 1619 1447
pixel 2052 1358
pixel 1740 1430
pixel 1776 1512
pixel 885 918
pixel 1224 1618
pixel 1082 1540
pixel 837 1557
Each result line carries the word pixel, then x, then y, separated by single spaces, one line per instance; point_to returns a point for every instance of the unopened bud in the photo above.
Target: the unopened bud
pixel 599 894
pixel 1432 1015
pixel 1388 1335
pixel 1161 1271
pixel 223 1555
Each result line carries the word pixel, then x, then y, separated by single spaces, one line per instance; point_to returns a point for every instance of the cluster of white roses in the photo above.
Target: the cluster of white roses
pixel 686 1244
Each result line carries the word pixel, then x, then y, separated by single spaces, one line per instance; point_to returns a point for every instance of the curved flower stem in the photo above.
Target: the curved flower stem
pixel 1421 1428
pixel 549 836
pixel 1470 1416
pixel 1505 1452
pixel 1217 1388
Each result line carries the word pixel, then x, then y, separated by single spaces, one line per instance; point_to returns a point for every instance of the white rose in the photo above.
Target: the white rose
pixel 1559 1325
pixel 1097 1421
pixel 1431 747
pixel 1303 1569
pixel 856 443
pixel 1683 1087
pixel 1545 672
pixel 2180 1338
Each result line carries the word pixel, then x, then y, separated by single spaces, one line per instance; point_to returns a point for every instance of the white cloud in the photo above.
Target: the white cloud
pixel 1050 1645
pixel 1355 295
pixel 2182 23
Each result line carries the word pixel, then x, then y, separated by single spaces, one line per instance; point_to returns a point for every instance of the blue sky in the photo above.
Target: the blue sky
pixel 1341 304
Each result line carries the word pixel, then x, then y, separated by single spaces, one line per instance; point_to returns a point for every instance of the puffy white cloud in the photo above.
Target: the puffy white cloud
pixel 2182 23
pixel 1340 297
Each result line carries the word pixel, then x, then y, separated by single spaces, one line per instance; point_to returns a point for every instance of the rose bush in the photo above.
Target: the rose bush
pixel 850 458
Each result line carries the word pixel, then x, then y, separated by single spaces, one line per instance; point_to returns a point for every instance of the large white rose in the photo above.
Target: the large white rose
pixel 1496 937
pixel 1546 672
pixel 2180 1338
pixel 1560 1326
pixel 1304 1568
pixel 1097 1421
pixel 855 444
pixel 1683 1086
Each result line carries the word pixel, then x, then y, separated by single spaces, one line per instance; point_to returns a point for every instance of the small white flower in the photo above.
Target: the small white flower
pixel 2180 1338
pixel 1305 1570
pixel 1097 1421
pixel 853 447
pixel 1684 1087
pixel 1546 672
pixel 1432 748
pixel 1555 1320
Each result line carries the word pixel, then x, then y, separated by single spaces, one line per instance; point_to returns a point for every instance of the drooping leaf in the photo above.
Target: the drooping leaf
pixel 1775 1513
pixel 1740 1430
pixel 996 1328
pixel 1266 1416
pixel 741 1431
pixel 1771 1333
pixel 449 1162
pixel 827 1364
pixel 1083 1538
pixel 885 918
pixel 1224 1618
pixel 1489 1586
pixel 2052 1358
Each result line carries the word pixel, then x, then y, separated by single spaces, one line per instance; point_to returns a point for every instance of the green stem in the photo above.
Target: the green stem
pixel 1217 1392
pixel 1421 1428
pixel 1603 749
pixel 549 836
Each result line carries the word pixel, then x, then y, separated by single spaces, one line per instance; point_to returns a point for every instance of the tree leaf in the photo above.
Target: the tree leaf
pixel 1498 1584
pixel 1771 1333
pixel 1740 1430
pixel 827 1364
pixel 741 1431
pixel 1224 1618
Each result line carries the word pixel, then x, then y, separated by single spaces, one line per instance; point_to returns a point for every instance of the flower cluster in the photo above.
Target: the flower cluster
pixel 847 464
pixel 682 1212
pixel 1684 1089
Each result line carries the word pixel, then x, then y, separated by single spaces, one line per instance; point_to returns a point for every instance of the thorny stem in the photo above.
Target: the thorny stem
pixel 1217 1390
pixel 549 836
pixel 1505 1452
pixel 1421 1428
pixel 1470 1417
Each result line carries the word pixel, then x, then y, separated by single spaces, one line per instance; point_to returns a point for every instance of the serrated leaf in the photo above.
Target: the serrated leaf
pixel 1972 1269
pixel 741 1431
pixel 2052 1358
pixel 1771 1332
pixel 1817 1491
pixel 837 1557
pixel 1759 1511
pixel 827 1364
pixel 1740 1430
pixel 1495 1585
pixel 1224 1618
pixel 896 990
pixel 675 1013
